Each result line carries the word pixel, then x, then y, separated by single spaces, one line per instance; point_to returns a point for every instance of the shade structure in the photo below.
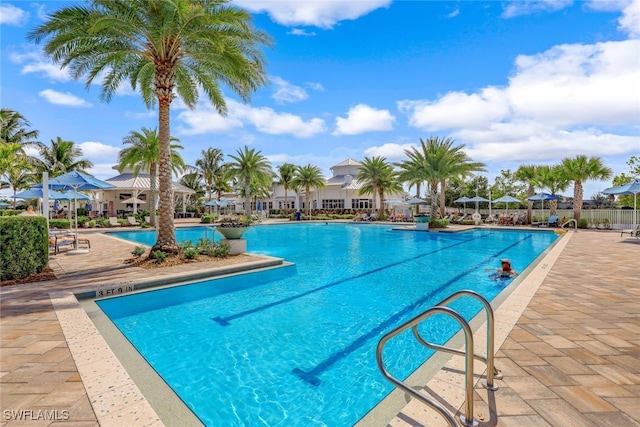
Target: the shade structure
pixel 393 201
pixel 415 201
pixel 478 199
pixel 78 181
pixel 506 200
pixel 542 197
pixel 631 187
pixel 36 193
pixel 215 202
pixel 4 205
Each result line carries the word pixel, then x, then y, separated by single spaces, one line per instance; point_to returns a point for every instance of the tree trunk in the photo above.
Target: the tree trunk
pixel 247 197
pixel 374 190
pixel 442 207
pixel 553 207
pixel 166 240
pixel 434 197
pixel 530 192
pixel 286 200
pixel 577 200
pixel 381 210
pixel 307 199
pixel 153 176
pixel 418 189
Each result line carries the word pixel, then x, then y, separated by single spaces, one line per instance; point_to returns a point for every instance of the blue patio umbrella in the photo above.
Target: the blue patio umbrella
pixel 463 200
pixel 89 207
pixel 78 181
pixel 36 193
pixel 542 197
pixel 631 187
pixel 259 205
pixel 4 205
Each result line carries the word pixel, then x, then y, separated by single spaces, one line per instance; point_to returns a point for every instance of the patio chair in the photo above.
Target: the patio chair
pixel 521 220
pixel 131 220
pixel 113 222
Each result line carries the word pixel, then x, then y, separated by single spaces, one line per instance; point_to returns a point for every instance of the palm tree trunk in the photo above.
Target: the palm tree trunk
pixel 530 192
pixel 553 207
pixel 434 197
pixel 418 185
pixel 381 210
pixel 307 190
pixel 442 207
pixel 286 200
pixel 374 190
pixel 153 175
pixel 578 193
pixel 247 197
pixel 166 240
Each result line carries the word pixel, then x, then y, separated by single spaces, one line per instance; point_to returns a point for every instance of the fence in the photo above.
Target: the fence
pixel 617 219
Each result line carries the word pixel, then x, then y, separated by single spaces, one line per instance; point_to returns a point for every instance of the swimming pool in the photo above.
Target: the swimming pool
pixel 296 345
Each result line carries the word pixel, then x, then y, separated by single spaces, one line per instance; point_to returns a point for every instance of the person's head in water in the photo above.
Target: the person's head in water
pixel 505 268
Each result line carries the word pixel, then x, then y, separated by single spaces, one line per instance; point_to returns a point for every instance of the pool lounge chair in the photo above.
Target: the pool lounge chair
pixel 65 240
pixel 113 222
pixel 631 232
pixel 131 220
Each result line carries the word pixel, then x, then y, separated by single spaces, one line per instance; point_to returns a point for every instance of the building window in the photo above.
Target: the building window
pixel 361 203
pixel 333 204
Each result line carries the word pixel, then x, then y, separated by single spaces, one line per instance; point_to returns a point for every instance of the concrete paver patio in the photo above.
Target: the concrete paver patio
pixel 572 358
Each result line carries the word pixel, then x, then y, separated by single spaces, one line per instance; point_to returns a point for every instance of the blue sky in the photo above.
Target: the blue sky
pixel 516 82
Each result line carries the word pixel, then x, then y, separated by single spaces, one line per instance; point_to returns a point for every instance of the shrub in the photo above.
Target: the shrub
pixel 24 247
pixel 190 253
pixel 206 219
pixel 82 220
pixel 213 249
pixel 438 223
pixel 583 223
pixel 159 256
pixel 91 224
pixel 59 223
pixel 138 251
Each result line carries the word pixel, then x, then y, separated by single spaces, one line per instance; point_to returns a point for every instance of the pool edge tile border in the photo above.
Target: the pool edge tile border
pixel 448 388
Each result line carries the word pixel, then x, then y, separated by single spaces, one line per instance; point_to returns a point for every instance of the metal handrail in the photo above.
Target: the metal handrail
pixel 575 223
pixel 492 372
pixel 466 418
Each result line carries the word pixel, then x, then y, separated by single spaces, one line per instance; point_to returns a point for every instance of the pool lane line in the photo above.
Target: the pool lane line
pixel 312 376
pixel 225 321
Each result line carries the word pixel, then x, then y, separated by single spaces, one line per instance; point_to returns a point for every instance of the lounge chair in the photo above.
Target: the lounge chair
pixel 65 240
pixel 147 219
pixel 521 220
pixel 113 222
pixel 552 221
pixel 132 220
pixel 631 232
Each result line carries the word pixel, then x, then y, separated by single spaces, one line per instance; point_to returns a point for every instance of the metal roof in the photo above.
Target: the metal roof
pixel 129 181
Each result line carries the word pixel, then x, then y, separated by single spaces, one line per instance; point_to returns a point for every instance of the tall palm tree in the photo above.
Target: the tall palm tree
pixel 411 170
pixel 580 169
pixel 250 167
pixel 143 154
pixel 61 157
pixel 552 178
pixel 194 182
pixel 308 177
pixel 528 174
pixel 164 49
pixel 372 171
pixel 286 173
pixel 222 180
pixel 388 184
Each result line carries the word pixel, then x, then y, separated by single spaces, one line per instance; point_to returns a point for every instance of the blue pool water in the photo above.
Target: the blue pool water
pixel 296 345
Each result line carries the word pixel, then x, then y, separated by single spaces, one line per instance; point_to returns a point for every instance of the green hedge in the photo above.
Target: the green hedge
pixel 59 223
pixel 24 246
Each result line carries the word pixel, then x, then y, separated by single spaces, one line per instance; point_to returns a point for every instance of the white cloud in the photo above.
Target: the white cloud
pixel 301 32
pixel 457 109
pixel 146 115
pixel 11 15
pixel 104 170
pixel 315 86
pixel 453 14
pixel 630 20
pixel 36 63
pixel 93 149
pixel 566 86
pixel 287 92
pixel 362 118
pixel 41 11
pixel 205 119
pixel 519 7
pixel 322 14
pixel 390 150
pixel 59 98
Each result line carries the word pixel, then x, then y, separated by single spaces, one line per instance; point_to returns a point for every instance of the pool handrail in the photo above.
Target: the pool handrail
pixel 492 371
pixel 467 418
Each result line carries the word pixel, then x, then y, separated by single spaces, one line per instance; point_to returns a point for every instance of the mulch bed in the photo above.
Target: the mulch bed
pixel 45 275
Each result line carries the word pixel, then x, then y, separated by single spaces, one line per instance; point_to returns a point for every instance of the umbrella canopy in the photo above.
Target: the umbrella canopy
pixel 4 205
pixel 393 201
pixel 632 187
pixel 132 200
pixel 543 197
pixel 478 199
pixel 70 195
pixel 36 193
pixel 415 201
pixel 462 200
pixel 507 199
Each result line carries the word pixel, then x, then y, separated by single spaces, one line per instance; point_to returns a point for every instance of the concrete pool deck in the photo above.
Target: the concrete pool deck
pixel 571 358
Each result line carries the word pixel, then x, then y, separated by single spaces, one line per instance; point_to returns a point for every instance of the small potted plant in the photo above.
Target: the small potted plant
pixel 234 228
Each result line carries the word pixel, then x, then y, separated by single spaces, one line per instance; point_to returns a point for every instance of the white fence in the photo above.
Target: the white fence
pixel 617 219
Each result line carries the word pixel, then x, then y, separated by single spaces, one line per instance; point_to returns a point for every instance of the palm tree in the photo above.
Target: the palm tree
pixel 164 49
pixel 208 167
pixel 411 170
pixel 551 178
pixel 250 167
pixel 528 174
pixel 194 182
pixel 308 177
pixel 580 169
pixel 286 173
pixel 143 153
pixel 61 157
pixel 389 184
pixel 371 172
pixel 13 129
